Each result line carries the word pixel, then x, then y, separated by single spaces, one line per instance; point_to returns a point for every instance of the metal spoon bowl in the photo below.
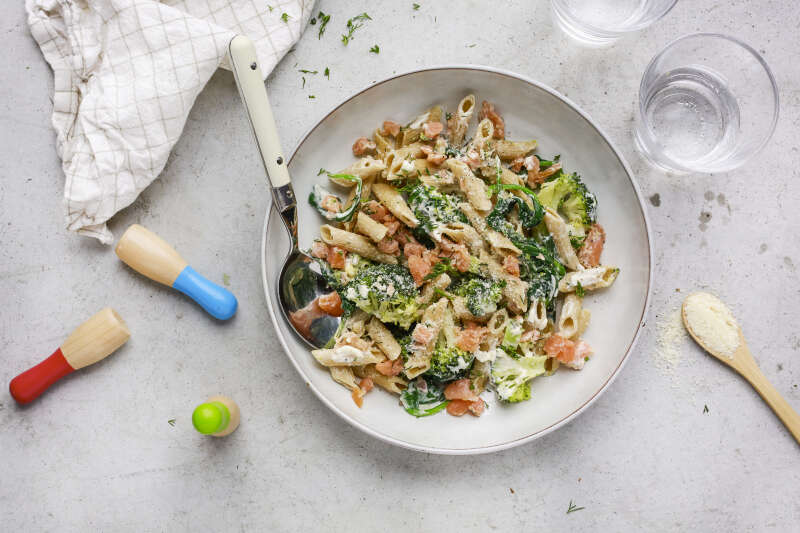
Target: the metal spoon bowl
pixel 300 282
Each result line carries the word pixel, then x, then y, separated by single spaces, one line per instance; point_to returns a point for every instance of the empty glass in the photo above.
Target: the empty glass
pixel 707 103
pixel 601 22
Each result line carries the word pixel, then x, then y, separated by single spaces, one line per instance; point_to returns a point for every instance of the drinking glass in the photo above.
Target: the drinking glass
pixel 602 22
pixel 707 103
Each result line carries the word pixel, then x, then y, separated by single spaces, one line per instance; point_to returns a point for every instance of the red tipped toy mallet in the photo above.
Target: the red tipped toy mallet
pixel 93 340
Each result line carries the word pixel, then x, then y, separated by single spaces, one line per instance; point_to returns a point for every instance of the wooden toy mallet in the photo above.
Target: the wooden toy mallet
pixel 92 341
pixel 152 256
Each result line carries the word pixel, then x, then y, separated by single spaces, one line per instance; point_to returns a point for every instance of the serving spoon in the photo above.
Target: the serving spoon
pixel 742 361
pixel 300 282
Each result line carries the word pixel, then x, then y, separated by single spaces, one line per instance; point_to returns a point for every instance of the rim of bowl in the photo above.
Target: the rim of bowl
pixel 775 99
pixel 536 434
pixel 562 7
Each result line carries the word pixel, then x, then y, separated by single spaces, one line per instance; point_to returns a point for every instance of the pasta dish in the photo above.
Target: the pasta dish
pixel 459 260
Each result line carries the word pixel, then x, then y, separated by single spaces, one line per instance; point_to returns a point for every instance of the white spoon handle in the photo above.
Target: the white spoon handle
pixel 250 81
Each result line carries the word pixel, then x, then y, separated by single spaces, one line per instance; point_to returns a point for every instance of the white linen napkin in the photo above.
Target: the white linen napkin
pixel 127 72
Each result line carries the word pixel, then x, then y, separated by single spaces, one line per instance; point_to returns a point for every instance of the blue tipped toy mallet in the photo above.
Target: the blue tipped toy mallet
pixel 150 255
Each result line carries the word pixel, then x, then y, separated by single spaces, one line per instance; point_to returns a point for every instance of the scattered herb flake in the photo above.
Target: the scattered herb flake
pixel 321 172
pixel 304 83
pixel 579 290
pixel 311 96
pixel 473 45
pixel 226 280
pixel 705 408
pixel 270 8
pixel 171 421
pixel 285 17
pixel 327 73
pixel 573 508
pixel 416 8
pixel 313 21
pixel 306 71
pixel 375 49
pixel 323 21
pixel 353 24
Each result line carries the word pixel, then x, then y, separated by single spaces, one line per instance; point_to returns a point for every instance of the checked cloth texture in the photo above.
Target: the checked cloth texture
pixel 126 74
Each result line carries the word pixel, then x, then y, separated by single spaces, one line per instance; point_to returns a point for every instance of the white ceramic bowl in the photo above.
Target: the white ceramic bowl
pixel 531 110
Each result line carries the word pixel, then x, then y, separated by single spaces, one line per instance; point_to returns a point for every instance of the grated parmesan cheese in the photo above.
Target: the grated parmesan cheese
pixel 712 322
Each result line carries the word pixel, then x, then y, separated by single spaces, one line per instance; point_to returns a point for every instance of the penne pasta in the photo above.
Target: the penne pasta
pixel 589 279
pixel 558 229
pixel 395 203
pixel 365 225
pixel 381 335
pixel 366 168
pixel 355 243
pixel 499 242
pixel 509 150
pixel 472 186
pixel 345 356
pixel 459 121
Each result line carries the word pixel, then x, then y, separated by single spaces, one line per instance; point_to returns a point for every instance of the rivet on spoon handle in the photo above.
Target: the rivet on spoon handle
pixel 152 256
pixel 90 342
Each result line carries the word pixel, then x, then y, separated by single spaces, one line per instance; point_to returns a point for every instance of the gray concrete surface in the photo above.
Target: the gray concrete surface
pixel 97 452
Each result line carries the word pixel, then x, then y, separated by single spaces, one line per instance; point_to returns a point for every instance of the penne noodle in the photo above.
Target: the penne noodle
pixel 381 335
pixel 365 168
pixel 343 375
pixel 499 242
pixel 570 317
pixel 590 279
pixel 355 243
pixel 472 186
pixel 459 121
pixel 515 291
pixel 509 150
pixel 345 356
pixel 365 225
pixel 395 203
pixel 442 281
pixel 558 229
pixel 383 143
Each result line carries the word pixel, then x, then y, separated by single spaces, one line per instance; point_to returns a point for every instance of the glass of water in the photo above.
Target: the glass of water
pixel 707 103
pixel 602 22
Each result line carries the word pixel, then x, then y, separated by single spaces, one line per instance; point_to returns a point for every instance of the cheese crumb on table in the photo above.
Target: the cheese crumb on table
pixel 712 323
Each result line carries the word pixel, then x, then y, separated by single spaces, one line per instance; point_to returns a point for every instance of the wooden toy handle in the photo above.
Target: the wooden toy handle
pixel 92 341
pixel 150 255
pixel 29 385
pixel 773 398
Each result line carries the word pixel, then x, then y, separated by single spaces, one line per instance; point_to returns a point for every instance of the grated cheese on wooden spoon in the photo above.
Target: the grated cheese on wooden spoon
pixel 712 322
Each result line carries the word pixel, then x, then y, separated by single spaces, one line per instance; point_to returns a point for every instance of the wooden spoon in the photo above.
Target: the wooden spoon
pixel 742 361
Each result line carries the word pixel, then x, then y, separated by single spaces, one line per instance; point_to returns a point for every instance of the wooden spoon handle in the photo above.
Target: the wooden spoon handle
pixel 781 407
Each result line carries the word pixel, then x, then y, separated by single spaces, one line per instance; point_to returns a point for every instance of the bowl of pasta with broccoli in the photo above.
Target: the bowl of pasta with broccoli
pixel 488 255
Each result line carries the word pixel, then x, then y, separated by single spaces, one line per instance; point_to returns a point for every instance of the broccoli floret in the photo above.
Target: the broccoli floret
pixel 434 208
pixel 386 291
pixel 449 363
pixel 522 393
pixel 568 195
pixel 511 336
pixel 481 294
pixel 510 376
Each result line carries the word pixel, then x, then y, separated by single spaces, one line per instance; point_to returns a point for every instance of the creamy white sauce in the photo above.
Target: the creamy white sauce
pixel 407 166
pixel 346 354
pixel 488 355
